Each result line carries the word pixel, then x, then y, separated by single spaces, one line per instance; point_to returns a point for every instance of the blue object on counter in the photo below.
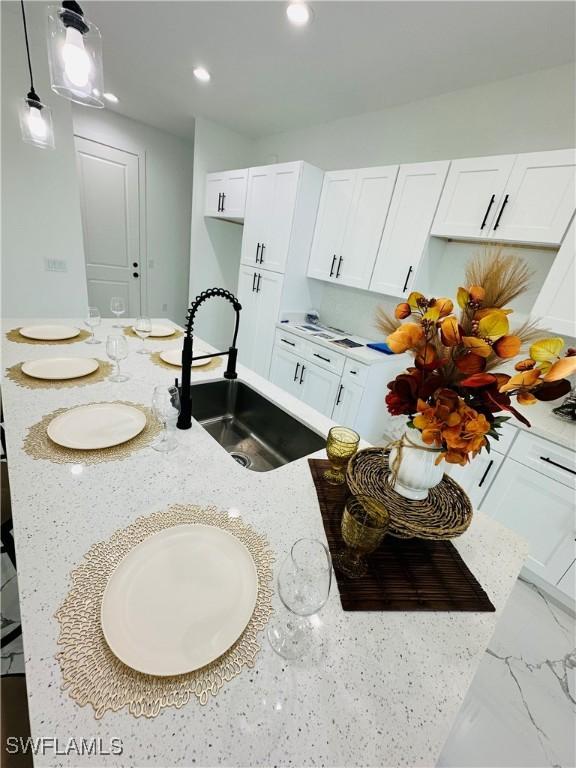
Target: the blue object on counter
pixel 380 346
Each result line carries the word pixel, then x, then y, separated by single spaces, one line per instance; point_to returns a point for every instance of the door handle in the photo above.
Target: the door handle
pixel 296 372
pixel 258 283
pixel 490 204
pixel 134 263
pixel 555 464
pixel 135 274
pixel 302 374
pixel 254 283
pixel 223 198
pixel 257 253
pixel 339 266
pixel 501 212
pixel 338 398
pixel 219 201
pixel 332 267
pixel 262 246
pixel 407 278
pixel 485 475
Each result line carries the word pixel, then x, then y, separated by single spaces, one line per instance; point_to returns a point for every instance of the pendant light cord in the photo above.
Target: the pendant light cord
pixel 27 47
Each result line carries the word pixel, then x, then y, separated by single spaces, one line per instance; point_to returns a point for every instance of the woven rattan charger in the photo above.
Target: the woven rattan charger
pixel 444 514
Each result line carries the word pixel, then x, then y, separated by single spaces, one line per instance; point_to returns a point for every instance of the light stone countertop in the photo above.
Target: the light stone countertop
pixel 383 691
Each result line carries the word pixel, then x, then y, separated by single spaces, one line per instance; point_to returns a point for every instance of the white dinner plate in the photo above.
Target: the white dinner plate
pixel 174 357
pixel 101 425
pixel 59 368
pixel 49 332
pixel 179 599
pixel 160 331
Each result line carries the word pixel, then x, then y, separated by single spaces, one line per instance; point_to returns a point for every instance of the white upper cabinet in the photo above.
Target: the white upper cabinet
pixel 353 209
pixel 528 198
pixel 414 202
pixel 225 194
pixel 472 196
pixel 270 206
pixel 333 211
pixel 555 307
pixel 539 199
pixel 260 294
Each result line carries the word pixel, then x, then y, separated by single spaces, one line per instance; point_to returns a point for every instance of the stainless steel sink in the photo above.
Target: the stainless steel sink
pixel 256 433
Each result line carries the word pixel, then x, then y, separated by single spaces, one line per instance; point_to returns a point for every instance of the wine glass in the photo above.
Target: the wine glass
pixel 341 445
pixel 365 522
pixel 143 329
pixel 166 407
pixel 303 586
pixel 117 307
pixel 117 349
pixel 93 320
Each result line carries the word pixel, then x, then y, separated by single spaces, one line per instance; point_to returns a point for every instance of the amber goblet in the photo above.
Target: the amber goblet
pixel 341 445
pixel 365 522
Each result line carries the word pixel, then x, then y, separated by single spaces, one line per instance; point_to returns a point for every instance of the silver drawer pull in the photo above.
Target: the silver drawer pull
pixel 555 464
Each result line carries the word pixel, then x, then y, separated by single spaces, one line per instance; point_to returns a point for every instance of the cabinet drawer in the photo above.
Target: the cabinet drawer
pixel 325 358
pixel 290 342
pixel 545 457
pixel 355 373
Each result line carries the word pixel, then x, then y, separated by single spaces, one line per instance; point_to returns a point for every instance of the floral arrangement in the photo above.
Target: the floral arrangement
pixel 452 394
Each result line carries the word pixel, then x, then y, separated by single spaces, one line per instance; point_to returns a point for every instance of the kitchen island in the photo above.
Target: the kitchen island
pixel 382 689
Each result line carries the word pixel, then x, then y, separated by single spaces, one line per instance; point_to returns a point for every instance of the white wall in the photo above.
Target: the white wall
pixel 40 202
pixel 168 169
pixel 215 245
pixel 522 114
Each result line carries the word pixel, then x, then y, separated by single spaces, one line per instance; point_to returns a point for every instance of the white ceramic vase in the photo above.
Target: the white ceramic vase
pixel 417 472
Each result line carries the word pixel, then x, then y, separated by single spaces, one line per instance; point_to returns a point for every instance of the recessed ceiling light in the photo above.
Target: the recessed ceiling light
pixel 298 13
pixel 111 98
pixel 202 74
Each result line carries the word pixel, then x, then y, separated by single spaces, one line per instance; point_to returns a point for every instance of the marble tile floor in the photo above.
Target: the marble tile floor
pixel 520 710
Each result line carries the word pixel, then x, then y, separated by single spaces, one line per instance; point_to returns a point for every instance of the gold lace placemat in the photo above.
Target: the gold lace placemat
pixel 15 335
pixel 38 445
pixel 128 331
pixel 15 374
pixel 93 675
pixel 215 362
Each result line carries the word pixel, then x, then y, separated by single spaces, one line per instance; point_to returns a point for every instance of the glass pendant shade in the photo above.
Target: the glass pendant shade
pixel 75 55
pixel 36 123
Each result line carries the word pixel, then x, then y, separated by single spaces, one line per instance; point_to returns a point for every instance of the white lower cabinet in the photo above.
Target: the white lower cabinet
pixel 284 371
pixel 348 402
pixel 539 508
pixel 311 383
pixel 477 477
pixel 260 294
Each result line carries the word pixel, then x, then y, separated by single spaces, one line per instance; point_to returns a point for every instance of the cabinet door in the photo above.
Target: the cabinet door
pixel 215 186
pixel 539 199
pixel 368 211
pixel 269 294
pixel 412 209
pixel 471 196
pixel 275 245
pixel 318 387
pixel 234 203
pixel 257 214
pixel 285 371
pixel 347 404
pixel 247 332
pixel 333 211
pixel 541 510
pixel 476 477
pixel 555 307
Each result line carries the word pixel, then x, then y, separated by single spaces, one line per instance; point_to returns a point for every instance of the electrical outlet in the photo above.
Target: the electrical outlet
pixel 55 265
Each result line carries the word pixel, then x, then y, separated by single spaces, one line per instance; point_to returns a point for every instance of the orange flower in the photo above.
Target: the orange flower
pixel 526 398
pixel 444 306
pixel 449 331
pixel 507 346
pixel 562 368
pixel 402 311
pixel 524 380
pixel 407 336
pixel 525 365
pixel 477 293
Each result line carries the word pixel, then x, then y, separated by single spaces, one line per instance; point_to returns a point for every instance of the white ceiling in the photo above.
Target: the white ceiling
pixel 354 57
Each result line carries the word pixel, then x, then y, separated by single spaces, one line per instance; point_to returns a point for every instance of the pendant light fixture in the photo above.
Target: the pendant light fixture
pixel 75 55
pixel 35 117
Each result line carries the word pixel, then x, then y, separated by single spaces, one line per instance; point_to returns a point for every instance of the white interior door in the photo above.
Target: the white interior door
pixel 110 205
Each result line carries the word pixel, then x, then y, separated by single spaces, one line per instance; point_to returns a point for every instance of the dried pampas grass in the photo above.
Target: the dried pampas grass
pixel 504 276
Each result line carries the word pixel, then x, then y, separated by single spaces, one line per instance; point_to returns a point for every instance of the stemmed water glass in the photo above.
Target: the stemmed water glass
pixel 117 349
pixel 93 320
pixel 143 329
pixel 303 586
pixel 117 307
pixel 166 407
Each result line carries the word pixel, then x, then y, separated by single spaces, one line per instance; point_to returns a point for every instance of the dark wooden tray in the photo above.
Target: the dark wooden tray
pixel 403 574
